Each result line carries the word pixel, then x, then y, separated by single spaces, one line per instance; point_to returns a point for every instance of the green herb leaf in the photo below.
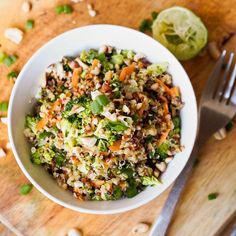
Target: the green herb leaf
pixel 131 190
pixel 128 171
pixel 96 107
pixel 116 126
pixel 212 196
pixel 10 60
pixel 12 75
pixel 117 193
pixel 117 59
pixel 102 100
pixel 29 24
pixel 67 68
pixel 150 181
pixel 3 106
pixel 59 158
pixel 25 189
pixel 102 145
pixel 63 9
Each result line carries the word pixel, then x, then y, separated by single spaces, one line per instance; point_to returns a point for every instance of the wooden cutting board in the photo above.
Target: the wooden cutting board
pixel 36 215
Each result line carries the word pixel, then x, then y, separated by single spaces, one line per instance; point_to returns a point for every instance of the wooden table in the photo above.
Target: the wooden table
pixel 36 215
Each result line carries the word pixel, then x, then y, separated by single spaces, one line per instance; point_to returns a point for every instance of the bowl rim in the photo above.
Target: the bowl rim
pixel 23 169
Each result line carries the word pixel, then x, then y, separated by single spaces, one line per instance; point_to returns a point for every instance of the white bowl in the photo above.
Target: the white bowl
pixel 72 43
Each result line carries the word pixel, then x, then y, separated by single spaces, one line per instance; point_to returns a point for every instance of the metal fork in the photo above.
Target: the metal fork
pixel 216 109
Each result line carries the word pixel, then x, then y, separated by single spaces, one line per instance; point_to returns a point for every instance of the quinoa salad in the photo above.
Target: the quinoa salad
pixel 106 123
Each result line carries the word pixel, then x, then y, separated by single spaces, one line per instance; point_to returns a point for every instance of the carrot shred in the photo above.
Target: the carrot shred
pixel 126 71
pixel 165 106
pixel 115 146
pixel 95 63
pixel 163 137
pixel 41 123
pixel 55 105
pixel 174 92
pixel 75 77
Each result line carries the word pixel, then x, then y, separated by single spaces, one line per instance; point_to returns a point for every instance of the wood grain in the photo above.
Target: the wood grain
pixel 36 215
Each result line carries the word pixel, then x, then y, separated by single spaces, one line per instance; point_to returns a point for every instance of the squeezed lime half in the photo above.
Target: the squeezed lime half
pixel 181 31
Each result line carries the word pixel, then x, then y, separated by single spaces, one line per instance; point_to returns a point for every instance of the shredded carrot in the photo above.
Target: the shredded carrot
pixel 165 106
pixel 174 92
pixel 95 63
pixel 104 153
pixel 42 123
pixel 55 105
pixel 126 71
pixel 75 77
pixel 163 137
pixel 98 183
pixel 115 146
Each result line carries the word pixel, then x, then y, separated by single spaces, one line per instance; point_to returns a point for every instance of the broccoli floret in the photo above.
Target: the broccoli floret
pixel 59 158
pixel 162 150
pixel 128 54
pixel 117 193
pixel 131 190
pixel 117 59
pixel 31 123
pixel 35 157
pixel 150 181
pixel 160 153
pixel 177 122
pixel 157 69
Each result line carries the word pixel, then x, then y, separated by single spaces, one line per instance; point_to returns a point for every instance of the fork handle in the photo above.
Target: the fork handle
pixel 160 227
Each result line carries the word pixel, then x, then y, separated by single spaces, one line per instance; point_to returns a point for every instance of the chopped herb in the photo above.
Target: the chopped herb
pixel 196 163
pixel 212 196
pixel 102 100
pixel 116 126
pixel 145 25
pixel 12 75
pixel 117 193
pixel 29 24
pixel 2 56
pixel 67 68
pixel 59 158
pixel 3 106
pixel 98 104
pixel 127 171
pixel 102 145
pixel 149 139
pixel 96 107
pixel 117 59
pixel 131 190
pixel 162 150
pixel 154 15
pixel 25 189
pixel 229 126
pixel 9 60
pixel 135 117
pixel 63 9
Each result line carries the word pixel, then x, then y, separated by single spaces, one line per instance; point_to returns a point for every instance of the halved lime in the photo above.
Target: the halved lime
pixel 181 31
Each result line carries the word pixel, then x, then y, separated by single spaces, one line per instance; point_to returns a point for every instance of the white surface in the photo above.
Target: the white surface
pixel 72 43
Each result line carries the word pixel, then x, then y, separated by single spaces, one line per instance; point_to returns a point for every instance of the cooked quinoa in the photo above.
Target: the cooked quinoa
pixel 106 123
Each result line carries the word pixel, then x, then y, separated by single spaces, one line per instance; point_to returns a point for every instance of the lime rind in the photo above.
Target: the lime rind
pixel 181 31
